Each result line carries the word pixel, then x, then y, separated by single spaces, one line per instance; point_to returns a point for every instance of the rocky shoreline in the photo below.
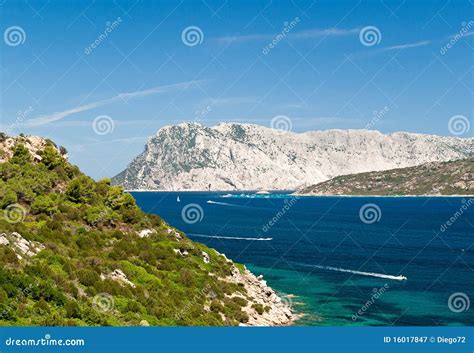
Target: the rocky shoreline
pixel 266 308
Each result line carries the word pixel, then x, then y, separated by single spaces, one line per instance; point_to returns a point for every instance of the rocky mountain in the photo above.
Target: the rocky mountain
pixel 251 157
pixel 435 178
pixel 76 252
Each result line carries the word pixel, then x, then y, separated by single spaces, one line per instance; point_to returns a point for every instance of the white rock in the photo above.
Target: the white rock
pixel 118 275
pixel 205 257
pixel 250 157
pixel 3 240
pixel 145 233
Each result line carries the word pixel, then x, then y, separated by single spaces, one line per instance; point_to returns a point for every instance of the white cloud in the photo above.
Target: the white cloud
pixel 49 118
pixel 306 34
pixel 408 45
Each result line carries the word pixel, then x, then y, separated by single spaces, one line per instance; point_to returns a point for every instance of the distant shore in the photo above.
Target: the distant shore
pixel 293 193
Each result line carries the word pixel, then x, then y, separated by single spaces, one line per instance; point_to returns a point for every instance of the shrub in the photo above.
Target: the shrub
pixel 88 277
pixel 21 155
pixel 80 190
pixel 45 204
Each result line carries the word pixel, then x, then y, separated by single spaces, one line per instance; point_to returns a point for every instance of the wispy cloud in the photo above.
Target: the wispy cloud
pixel 306 34
pixel 224 101
pixel 49 118
pixel 408 45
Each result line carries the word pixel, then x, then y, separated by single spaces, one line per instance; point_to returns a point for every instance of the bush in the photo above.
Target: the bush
pixel 21 155
pixel 88 277
pixel 73 310
pixel 80 190
pixel 51 158
pixel 45 204
pixel 258 308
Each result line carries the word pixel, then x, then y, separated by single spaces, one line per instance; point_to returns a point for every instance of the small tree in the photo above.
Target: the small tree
pixel 21 155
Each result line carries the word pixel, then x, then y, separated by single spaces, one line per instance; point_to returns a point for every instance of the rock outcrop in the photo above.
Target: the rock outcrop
pixel 266 308
pixel 119 276
pixel 21 247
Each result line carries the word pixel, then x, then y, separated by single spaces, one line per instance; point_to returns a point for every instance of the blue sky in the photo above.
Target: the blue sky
pixel 143 73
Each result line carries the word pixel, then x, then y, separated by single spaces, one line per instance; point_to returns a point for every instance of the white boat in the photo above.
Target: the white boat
pixel 177 199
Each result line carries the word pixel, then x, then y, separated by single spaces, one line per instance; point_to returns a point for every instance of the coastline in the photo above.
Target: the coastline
pixel 294 194
pixel 393 196
pixel 274 309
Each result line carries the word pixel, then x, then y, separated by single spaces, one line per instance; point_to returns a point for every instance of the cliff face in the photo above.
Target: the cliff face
pixel 251 157
pixel 436 178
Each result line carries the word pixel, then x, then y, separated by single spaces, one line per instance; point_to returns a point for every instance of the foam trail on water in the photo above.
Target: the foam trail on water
pixel 230 238
pixel 223 203
pixel 362 273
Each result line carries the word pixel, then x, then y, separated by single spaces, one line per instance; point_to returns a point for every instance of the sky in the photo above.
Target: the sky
pixel 100 77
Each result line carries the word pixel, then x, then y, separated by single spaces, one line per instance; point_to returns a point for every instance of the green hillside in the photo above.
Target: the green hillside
pixel 436 178
pixel 71 254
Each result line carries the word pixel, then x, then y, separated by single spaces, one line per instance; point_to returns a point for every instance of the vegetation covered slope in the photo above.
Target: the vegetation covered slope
pixel 78 252
pixel 438 178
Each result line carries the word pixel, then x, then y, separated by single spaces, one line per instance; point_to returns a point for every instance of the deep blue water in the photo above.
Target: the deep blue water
pixel 319 250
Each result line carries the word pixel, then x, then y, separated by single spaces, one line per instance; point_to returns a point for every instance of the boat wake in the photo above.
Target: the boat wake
pixel 229 238
pixel 223 203
pixel 361 273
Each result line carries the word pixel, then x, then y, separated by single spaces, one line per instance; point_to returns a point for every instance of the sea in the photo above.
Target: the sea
pixel 341 261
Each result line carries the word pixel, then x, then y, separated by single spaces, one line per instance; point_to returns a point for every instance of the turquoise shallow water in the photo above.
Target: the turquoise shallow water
pixel 339 269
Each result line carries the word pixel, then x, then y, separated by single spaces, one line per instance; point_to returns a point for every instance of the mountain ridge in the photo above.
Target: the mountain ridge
pixel 232 156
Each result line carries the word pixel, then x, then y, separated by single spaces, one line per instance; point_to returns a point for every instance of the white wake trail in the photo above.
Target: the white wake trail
pixel 362 273
pixel 229 238
pixel 222 203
